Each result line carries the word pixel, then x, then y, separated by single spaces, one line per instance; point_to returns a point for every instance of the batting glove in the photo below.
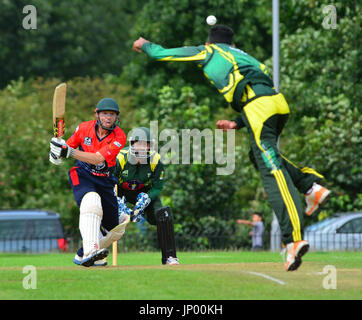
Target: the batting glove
pixel 54 159
pixel 60 149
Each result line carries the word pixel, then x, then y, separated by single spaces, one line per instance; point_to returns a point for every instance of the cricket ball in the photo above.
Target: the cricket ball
pixel 211 20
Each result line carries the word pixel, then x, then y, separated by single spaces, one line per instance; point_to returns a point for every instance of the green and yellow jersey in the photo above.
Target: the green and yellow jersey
pixel 133 179
pixel 238 76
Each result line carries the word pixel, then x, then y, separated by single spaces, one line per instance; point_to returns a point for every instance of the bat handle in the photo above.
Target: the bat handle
pixel 59 138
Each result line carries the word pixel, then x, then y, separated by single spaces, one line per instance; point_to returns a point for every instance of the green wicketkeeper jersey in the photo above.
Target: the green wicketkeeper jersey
pixel 229 69
pixel 135 178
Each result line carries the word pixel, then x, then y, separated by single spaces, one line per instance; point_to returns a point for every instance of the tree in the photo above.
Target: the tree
pixel 73 38
pixel 320 78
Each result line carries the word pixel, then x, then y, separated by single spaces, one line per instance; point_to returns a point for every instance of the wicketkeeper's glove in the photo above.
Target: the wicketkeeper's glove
pixel 143 200
pixel 122 208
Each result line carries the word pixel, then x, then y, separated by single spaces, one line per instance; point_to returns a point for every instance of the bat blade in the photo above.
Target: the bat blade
pixel 59 109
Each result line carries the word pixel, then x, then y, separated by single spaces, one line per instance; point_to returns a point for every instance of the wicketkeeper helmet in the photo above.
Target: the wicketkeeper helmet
pixel 141 134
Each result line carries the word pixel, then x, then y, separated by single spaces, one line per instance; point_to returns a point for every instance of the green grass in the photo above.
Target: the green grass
pixel 211 275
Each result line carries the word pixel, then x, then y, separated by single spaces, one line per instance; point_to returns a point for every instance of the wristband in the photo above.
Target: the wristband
pixel 71 152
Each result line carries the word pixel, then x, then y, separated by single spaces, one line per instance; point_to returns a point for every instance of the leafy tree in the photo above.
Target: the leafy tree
pixel 73 38
pixel 320 78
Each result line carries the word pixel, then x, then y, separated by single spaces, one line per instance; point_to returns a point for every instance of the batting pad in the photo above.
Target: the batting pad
pixel 115 234
pixel 90 221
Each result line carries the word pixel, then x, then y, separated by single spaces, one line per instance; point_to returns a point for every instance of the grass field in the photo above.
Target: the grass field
pixel 210 275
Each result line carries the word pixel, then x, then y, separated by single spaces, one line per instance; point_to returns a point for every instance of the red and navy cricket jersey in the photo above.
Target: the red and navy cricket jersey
pixel 85 138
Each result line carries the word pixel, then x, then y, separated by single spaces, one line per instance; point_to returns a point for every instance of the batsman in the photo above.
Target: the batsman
pixel 140 180
pixel 95 145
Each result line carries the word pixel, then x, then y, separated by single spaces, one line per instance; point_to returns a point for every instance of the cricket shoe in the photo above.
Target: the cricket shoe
pixel 315 198
pixel 77 260
pixel 295 252
pixel 95 256
pixel 100 263
pixel 171 261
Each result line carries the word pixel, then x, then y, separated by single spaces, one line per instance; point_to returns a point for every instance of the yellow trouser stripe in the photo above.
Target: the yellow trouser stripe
pixel 305 169
pixel 289 203
pixel 293 164
pixel 312 171
pixel 292 211
pixel 257 112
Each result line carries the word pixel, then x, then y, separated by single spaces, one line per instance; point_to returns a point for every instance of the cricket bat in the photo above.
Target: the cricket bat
pixel 59 109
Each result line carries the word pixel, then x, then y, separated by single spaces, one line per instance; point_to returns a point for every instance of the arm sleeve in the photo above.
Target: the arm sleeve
pixel 155 51
pixel 157 182
pixel 74 141
pixel 239 121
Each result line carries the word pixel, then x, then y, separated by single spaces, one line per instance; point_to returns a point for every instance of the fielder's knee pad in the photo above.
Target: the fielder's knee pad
pixel 115 234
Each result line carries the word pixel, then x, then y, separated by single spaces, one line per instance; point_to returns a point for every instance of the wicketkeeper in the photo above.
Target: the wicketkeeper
pixel 140 175
pixel 95 144
pixel 245 84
